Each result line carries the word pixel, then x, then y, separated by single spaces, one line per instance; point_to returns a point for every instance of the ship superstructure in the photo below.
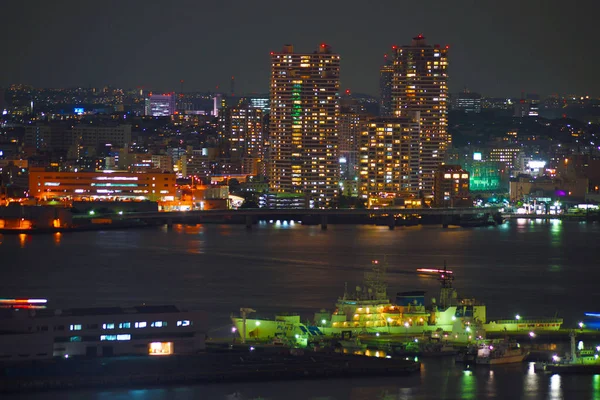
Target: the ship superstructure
pixel 368 310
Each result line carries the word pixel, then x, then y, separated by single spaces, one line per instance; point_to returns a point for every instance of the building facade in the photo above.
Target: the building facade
pixel 451 187
pixel 105 185
pixel 467 101
pixel 350 127
pixel 386 75
pixel 389 157
pixel 420 83
pixel 242 130
pixel 160 105
pixel 304 122
pixel 101 135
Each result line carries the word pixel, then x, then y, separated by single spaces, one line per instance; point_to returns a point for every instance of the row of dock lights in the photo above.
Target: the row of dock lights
pixel 92 212
pixel 278 222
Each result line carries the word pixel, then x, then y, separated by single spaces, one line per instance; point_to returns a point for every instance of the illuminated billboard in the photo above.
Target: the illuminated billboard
pixel 484 176
pixel 78 110
pixel 536 164
pixel 477 156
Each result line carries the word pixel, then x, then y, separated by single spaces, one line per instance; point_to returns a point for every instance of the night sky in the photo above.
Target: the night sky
pixel 498 48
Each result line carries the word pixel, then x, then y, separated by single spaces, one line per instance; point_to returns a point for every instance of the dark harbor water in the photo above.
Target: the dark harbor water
pixel 523 267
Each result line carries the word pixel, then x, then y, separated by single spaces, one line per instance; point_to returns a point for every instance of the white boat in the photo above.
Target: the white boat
pixel 501 353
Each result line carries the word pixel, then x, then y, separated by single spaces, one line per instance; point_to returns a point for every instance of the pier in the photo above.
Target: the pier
pixel 201 368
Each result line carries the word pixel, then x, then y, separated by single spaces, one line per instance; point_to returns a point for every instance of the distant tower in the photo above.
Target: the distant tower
pixel 385 87
pixel 233 86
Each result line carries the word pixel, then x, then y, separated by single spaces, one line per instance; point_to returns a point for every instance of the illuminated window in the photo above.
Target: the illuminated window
pixel 108 326
pixel 185 322
pixel 158 324
pixel 160 348
pixel 140 324
pixel 115 337
pixel 75 339
pixel 75 327
pixel 124 325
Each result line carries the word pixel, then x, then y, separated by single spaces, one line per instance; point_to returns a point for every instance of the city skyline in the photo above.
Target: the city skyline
pixel 496 50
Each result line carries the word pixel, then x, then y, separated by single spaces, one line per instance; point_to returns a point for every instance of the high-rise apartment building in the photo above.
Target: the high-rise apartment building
pixel 241 129
pixel 352 118
pixel 420 83
pixel 160 105
pixel 389 157
pixel 349 136
pixel 304 123
pixel 386 74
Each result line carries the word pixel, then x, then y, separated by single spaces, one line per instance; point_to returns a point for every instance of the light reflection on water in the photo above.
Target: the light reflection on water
pixel 555 388
pixel 442 379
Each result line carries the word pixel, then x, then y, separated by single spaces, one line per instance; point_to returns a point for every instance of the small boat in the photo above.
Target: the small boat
pixel 503 353
pixel 466 356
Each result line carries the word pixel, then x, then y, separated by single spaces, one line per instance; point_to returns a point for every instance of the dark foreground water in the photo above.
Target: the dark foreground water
pixel 529 268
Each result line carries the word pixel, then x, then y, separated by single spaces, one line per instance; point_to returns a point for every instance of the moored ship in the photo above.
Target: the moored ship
pixel 501 353
pixel 368 310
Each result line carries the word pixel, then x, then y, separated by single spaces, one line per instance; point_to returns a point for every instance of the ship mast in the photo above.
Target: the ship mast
pixel 446 291
pixel 375 281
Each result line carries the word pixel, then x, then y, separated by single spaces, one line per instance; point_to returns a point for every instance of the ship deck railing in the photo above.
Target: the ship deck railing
pixel 527 321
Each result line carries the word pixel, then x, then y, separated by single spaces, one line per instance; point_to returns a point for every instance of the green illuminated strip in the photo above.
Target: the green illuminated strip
pixel 296 108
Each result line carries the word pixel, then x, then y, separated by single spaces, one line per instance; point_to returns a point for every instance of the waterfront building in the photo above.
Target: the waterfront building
pixel 389 157
pixel 420 83
pixel 304 123
pixel 451 187
pixel 105 185
pixel 39 333
pixel 284 201
pixel 160 105
pixel 526 188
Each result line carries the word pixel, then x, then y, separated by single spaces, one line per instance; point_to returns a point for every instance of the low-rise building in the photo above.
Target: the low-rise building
pixel 451 187
pixel 104 185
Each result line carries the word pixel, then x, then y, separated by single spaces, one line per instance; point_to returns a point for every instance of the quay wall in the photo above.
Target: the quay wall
pixel 201 368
